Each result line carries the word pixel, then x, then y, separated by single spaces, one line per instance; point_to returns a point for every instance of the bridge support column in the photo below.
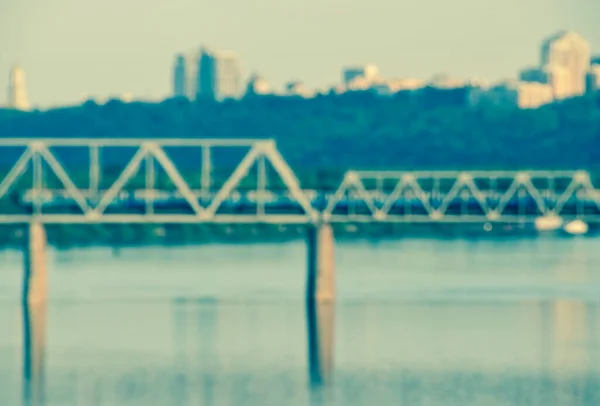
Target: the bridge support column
pixel 320 297
pixel 320 284
pixel 34 275
pixel 320 329
pixel 34 345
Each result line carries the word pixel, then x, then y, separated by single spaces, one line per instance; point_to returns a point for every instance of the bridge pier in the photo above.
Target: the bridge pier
pixel 35 272
pixel 320 335
pixel 320 285
pixel 320 297
pixel 34 348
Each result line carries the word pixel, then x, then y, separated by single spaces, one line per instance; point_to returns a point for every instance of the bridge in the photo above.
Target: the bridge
pixel 95 181
pixel 160 181
pixel 262 188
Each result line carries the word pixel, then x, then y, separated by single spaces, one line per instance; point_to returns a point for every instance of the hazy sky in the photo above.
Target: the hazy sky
pixel 102 47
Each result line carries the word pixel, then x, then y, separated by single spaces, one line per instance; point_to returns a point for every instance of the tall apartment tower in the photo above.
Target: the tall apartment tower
pixel 192 69
pixel 219 75
pixel 179 77
pixel 208 74
pixel 17 91
pixel 566 58
pixel 228 72
pixel 206 80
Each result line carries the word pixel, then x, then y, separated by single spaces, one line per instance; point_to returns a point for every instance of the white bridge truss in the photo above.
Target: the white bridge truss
pixel 67 181
pixel 464 196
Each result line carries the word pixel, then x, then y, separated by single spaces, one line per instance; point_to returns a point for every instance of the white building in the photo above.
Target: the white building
pixel 532 95
pixel 17 90
pixel 297 88
pixel 219 75
pixel 257 85
pixel 512 93
pixel 359 83
pixel 406 84
pixel 566 57
pixel 367 73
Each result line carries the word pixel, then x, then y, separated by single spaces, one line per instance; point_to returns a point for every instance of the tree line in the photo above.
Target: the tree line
pixel 329 134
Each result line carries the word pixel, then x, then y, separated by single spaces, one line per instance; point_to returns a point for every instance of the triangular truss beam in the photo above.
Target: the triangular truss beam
pixel 153 154
pixel 463 186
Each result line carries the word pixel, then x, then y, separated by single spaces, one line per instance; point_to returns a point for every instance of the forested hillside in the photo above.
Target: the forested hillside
pixel 435 130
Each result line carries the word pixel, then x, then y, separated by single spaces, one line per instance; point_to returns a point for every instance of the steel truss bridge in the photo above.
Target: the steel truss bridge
pixel 56 181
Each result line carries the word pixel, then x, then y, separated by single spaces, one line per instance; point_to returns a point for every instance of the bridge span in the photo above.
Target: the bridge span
pixel 91 181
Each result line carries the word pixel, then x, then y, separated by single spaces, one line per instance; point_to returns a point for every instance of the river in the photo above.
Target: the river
pixel 417 322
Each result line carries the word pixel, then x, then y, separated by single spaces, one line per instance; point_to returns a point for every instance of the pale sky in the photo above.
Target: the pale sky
pixel 110 47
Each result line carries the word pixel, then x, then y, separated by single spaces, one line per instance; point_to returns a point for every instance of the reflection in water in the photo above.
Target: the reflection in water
pixel 34 334
pixel 252 354
pixel 202 351
pixel 180 393
pixel 207 318
pixel 320 327
pixel 505 328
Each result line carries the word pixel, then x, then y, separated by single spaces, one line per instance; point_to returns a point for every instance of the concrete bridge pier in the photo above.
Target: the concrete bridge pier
pixel 34 345
pixel 34 314
pixel 320 285
pixel 35 271
pixel 320 329
pixel 320 312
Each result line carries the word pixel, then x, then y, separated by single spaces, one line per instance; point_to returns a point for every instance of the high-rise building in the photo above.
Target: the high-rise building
pixel 185 74
pixel 219 75
pixel 203 73
pixel 17 91
pixel 228 74
pixel 192 69
pixel 179 77
pixel 206 81
pixel 566 57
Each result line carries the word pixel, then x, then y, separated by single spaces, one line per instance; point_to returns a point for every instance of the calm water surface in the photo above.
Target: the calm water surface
pixel 417 322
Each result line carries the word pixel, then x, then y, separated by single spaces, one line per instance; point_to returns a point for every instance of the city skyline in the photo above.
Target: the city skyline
pixel 488 42
pixel 566 68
